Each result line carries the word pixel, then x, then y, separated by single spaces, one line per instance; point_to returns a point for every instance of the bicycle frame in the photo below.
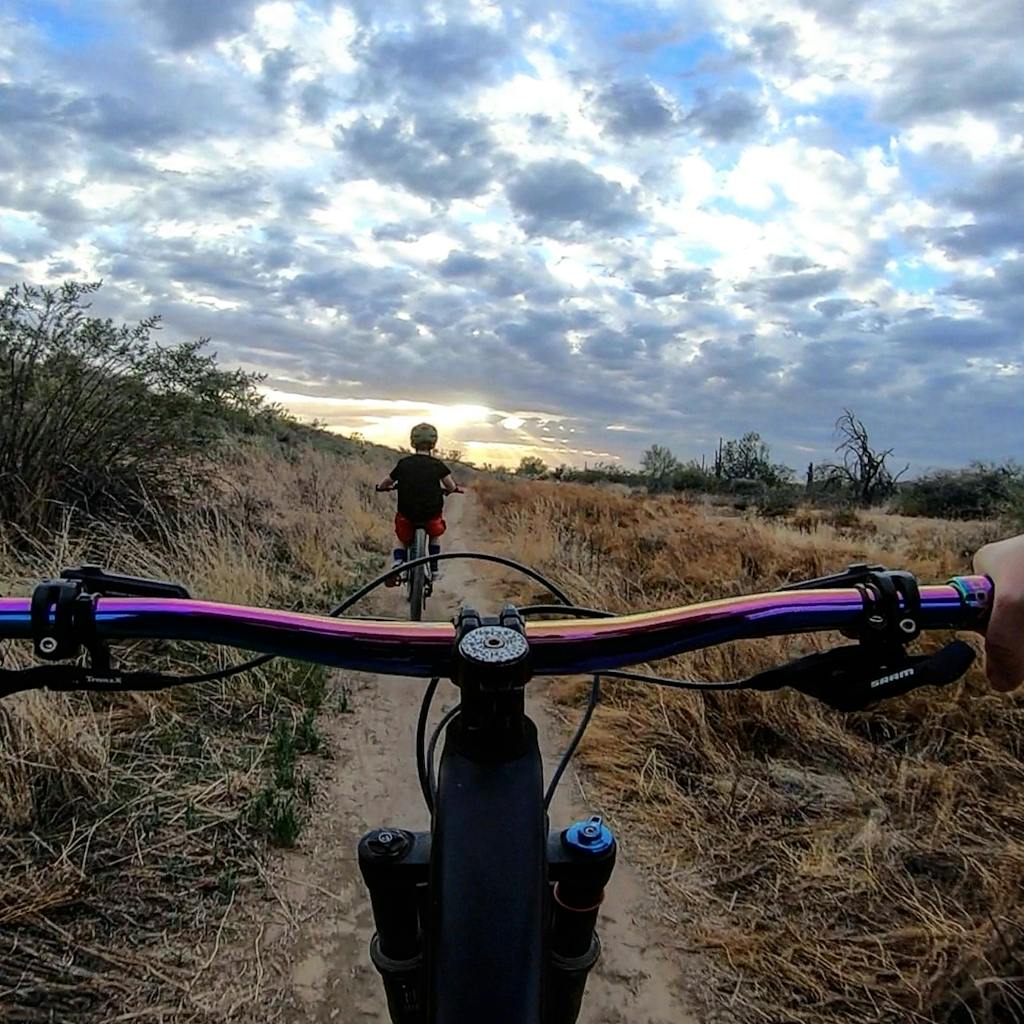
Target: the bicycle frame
pixel 488 941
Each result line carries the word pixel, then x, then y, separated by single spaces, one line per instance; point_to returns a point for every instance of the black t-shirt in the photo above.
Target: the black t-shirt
pixel 419 486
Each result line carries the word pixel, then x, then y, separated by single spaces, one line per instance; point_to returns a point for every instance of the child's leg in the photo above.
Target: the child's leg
pixel 404 533
pixel 435 528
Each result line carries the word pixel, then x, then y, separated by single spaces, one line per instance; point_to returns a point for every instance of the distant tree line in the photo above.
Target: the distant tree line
pixel 861 475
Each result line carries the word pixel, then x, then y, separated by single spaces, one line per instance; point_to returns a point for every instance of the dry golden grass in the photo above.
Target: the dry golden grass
pixel 126 819
pixel 835 867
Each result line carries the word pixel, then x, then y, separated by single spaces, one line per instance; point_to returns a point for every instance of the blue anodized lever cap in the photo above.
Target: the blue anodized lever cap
pixel 591 835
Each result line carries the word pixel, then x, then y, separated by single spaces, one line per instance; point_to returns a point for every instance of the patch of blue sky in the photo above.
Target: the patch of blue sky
pixel 615 20
pixel 112 237
pixel 755 214
pixel 907 271
pixel 68 25
pixel 925 175
pixel 18 227
pixel 700 255
pixel 847 122
pixel 654 41
pixel 692 60
pixel 913 276
pixel 468 212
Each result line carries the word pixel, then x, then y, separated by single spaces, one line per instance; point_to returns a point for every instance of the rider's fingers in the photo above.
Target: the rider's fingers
pixel 1004 635
pixel 1004 642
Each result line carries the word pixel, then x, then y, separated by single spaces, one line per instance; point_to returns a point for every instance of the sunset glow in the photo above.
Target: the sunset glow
pixel 482 434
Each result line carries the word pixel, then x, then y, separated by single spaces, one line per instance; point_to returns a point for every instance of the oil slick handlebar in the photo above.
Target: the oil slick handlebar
pixel 560 647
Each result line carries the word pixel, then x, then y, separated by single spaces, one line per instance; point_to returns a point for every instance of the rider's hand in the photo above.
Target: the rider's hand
pixel 1004 635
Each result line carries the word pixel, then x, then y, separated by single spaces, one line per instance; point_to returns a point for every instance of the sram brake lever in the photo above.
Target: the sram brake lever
pixel 852 677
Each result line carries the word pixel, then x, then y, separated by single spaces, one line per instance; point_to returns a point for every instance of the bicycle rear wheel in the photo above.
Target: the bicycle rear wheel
pixel 418 576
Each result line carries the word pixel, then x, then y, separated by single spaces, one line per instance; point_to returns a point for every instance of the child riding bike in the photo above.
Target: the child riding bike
pixel 422 481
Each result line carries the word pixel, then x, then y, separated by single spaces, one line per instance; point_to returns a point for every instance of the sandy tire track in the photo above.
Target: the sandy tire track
pixel 312 942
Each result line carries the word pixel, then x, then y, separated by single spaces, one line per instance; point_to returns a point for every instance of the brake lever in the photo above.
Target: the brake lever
pixel 852 677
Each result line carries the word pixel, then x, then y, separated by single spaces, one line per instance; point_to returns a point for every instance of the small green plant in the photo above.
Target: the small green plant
pixel 343 701
pixel 285 824
pixel 303 684
pixel 274 813
pixel 283 755
pixel 308 739
pixel 227 884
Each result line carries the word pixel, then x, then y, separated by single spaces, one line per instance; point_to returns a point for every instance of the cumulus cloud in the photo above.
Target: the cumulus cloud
pixel 438 155
pixel 804 281
pixel 502 277
pixel 636 108
pixel 689 284
pixel 994 201
pixel 277 68
pixel 725 116
pixel 316 100
pixel 192 23
pixel 441 58
pixel 563 197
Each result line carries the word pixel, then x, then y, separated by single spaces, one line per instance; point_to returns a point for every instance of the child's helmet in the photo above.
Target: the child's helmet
pixel 423 434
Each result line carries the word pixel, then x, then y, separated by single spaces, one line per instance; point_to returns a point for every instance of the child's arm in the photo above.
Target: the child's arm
pixel 449 486
pixel 387 484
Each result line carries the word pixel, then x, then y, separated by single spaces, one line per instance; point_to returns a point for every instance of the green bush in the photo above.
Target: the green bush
pixel 692 477
pixel 96 417
pixel 778 501
pixel 981 491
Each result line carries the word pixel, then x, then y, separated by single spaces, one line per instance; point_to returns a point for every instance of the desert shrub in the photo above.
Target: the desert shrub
pixel 692 477
pixel 981 491
pixel 97 417
pixel 778 501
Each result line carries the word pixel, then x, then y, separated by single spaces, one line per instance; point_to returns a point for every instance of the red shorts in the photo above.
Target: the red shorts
pixel 405 529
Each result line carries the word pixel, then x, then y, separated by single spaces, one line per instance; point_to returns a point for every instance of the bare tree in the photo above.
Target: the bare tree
pixel 863 467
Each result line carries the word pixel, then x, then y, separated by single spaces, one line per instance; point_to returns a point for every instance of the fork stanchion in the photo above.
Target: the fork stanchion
pixel 395 866
pixel 581 860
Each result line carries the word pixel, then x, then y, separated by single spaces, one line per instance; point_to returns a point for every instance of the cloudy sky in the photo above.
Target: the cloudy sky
pixel 575 230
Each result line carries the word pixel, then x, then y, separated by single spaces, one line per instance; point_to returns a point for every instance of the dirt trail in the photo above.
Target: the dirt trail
pixel 310 947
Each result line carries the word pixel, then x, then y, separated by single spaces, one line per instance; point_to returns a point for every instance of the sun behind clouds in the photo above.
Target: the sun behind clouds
pixel 481 434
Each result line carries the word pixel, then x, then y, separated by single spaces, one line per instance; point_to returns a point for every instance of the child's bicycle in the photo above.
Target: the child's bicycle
pixel 419 579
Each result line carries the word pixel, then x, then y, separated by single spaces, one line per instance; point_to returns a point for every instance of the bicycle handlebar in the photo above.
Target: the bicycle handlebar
pixel 561 647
